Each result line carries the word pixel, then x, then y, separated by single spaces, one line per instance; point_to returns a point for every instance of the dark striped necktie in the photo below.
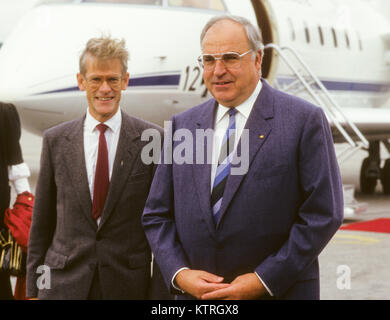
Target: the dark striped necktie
pixel 223 168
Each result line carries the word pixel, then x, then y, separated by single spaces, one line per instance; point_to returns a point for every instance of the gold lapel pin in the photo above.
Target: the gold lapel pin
pixel 261 136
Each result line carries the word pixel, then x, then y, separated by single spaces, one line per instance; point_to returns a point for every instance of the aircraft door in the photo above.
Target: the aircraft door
pixel 266 22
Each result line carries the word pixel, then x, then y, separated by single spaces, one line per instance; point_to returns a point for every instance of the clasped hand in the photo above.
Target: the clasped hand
pixel 208 286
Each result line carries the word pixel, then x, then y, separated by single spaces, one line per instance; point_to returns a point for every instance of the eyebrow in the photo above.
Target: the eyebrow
pixel 101 75
pixel 220 53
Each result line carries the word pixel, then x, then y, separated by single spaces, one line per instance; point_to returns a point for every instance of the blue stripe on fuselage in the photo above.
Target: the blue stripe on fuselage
pixel 148 81
pixel 345 85
pixel 174 80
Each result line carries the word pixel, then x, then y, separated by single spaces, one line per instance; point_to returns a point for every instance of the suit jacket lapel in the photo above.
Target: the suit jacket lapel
pixel 202 172
pixel 126 154
pixel 259 130
pixel 75 163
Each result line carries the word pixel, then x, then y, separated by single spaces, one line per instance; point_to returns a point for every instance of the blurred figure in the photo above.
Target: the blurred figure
pixel 14 172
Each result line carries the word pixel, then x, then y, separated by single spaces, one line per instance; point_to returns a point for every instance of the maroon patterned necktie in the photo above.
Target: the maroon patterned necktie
pixel 101 183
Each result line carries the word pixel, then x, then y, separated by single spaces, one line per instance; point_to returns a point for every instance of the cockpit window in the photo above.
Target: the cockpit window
pixel 54 1
pixel 143 2
pixel 147 2
pixel 217 5
pixel 199 4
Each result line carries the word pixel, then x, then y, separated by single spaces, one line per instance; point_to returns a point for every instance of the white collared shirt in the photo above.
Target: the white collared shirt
pixel 222 122
pixel 91 144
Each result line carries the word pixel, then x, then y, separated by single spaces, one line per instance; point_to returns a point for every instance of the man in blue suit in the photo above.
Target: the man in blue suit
pixel 221 235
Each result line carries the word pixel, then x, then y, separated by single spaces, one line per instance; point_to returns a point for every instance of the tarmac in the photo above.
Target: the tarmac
pixel 363 256
pixel 353 266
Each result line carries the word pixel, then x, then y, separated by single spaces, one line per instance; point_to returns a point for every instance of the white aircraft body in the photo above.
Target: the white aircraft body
pixel 345 45
pixel 11 12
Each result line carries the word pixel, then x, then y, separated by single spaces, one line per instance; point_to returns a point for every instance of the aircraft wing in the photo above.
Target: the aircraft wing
pixel 374 123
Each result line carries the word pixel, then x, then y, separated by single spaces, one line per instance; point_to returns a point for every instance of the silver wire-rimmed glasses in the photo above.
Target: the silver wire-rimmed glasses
pixel 231 60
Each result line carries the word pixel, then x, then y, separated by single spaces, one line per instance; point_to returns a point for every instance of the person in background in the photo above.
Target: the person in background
pixel 13 173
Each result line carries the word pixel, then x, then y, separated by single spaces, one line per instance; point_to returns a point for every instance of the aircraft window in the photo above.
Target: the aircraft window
pixel 347 39
pixel 54 1
pixel 292 29
pixel 334 37
pixel 307 34
pixel 321 35
pixel 360 41
pixel 199 4
pixel 147 2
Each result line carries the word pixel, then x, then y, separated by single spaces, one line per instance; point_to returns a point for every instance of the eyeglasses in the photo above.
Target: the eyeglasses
pixel 113 82
pixel 231 60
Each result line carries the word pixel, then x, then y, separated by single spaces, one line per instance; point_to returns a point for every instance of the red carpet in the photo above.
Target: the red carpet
pixel 378 225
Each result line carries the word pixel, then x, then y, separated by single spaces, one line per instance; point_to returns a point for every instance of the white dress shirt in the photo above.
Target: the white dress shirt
pixel 222 122
pixel 91 145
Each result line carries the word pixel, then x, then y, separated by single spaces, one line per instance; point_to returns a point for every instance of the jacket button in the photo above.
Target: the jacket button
pixel 98 237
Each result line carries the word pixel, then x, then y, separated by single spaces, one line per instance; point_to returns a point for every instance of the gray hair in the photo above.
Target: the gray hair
pixel 105 48
pixel 253 34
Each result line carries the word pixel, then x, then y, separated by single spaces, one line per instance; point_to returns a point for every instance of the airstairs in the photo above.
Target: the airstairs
pixel 305 81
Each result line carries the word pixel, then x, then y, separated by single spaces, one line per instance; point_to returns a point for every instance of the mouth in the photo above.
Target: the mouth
pixel 222 84
pixel 104 99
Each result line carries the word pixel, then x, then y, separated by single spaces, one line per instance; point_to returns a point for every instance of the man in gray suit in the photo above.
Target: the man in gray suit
pixel 86 239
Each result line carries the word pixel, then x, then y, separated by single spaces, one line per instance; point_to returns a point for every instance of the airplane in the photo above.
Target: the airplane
pixel 335 53
pixel 11 12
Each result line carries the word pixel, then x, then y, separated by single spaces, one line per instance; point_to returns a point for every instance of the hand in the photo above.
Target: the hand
pixel 197 282
pixel 244 287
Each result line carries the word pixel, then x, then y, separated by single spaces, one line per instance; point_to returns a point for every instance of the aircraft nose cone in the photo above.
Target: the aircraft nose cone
pixel 9 95
pixel 10 86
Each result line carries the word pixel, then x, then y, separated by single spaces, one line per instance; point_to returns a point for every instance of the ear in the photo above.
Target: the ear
pixel 125 81
pixel 258 60
pixel 80 82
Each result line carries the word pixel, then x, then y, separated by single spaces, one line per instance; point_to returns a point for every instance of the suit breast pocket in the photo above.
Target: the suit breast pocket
pixel 139 178
pixel 138 184
pixel 270 172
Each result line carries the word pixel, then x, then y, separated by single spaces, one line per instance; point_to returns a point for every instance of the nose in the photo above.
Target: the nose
pixel 104 86
pixel 219 69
